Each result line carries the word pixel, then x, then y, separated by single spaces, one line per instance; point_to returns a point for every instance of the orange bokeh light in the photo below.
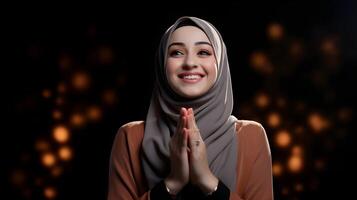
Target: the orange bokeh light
pixel 277 169
pixel 94 113
pixel 295 163
pixel 50 192
pixel 260 62
pixel 317 122
pixel 283 138
pixel 56 114
pixel 46 93
pixel 77 119
pixel 275 31
pixel 65 153
pixel 262 100
pixel 81 81
pixel 48 159
pixel 61 134
pixel 274 119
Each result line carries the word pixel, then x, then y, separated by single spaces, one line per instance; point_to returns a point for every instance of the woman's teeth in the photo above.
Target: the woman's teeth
pixel 191 77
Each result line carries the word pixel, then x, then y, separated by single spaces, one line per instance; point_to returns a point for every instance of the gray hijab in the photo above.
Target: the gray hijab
pixel 212 112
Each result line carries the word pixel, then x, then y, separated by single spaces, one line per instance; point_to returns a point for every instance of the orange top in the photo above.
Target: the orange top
pixel 254 165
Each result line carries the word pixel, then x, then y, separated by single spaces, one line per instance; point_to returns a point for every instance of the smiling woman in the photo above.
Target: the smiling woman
pixel 191 146
pixel 191 66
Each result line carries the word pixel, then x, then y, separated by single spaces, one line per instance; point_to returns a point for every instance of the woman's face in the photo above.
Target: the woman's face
pixel 191 66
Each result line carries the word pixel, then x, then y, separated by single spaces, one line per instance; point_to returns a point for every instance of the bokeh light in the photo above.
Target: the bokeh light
pixel 48 159
pixel 65 153
pixel 61 134
pixel 295 163
pixel 50 192
pixel 275 31
pixel 283 139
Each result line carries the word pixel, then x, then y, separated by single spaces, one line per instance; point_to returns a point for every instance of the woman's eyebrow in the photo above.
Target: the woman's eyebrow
pixel 203 42
pixel 176 43
pixel 196 43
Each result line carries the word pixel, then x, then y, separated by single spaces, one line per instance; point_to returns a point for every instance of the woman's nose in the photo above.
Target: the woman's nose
pixel 190 62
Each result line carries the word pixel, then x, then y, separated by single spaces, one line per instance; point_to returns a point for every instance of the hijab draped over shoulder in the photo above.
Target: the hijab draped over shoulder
pixel 212 110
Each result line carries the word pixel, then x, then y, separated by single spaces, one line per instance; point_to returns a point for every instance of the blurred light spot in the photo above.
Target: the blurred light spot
pixel 281 102
pixel 283 139
pixel 296 50
pixel 299 130
pixel 57 115
pixel 300 107
pixel 50 192
pixel 94 113
pixel 42 145
pixel 319 164
pixel 285 191
pixel 299 187
pixel 109 97
pixel 262 100
pixel 274 120
pixel 59 101
pixel 64 62
pixel 275 31
pixel 61 134
pixel 344 114
pixel 105 55
pixel 277 169
pixel 56 171
pixel 297 150
pixel 48 159
pixel 317 122
pixel 329 46
pixel 61 88
pixel 65 153
pixel 77 119
pixel 260 62
pixel 81 80
pixel 18 177
pixel 295 163
pixel 46 93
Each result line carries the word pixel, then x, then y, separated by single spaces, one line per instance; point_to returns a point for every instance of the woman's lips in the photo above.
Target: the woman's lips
pixel 192 77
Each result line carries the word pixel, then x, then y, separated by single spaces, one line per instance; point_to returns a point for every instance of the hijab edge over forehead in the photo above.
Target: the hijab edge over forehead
pixel 208 29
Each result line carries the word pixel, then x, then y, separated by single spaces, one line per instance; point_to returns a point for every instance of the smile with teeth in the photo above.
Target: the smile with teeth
pixel 190 78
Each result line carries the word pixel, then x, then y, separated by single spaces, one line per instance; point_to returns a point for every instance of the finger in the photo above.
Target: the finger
pixel 182 111
pixel 179 126
pixel 185 111
pixel 189 120
pixel 193 125
pixel 180 129
pixel 184 137
pixel 193 141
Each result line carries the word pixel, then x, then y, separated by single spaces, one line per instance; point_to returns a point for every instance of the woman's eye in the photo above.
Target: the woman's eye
pixel 204 52
pixel 176 53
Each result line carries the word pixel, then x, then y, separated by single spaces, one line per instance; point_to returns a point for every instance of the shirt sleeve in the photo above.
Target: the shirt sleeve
pixel 222 192
pixel 258 181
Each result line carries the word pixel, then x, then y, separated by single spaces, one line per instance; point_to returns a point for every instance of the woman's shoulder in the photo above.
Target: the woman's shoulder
pixel 249 126
pixel 132 125
pixel 251 133
pixel 131 128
